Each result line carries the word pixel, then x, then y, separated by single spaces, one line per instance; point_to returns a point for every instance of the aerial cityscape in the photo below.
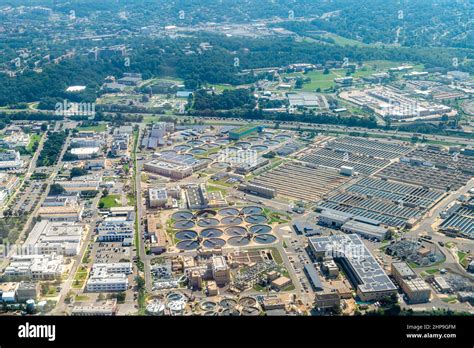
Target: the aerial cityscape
pixel 236 158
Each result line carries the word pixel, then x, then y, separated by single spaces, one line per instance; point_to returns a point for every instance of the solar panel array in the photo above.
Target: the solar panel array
pixel 407 194
pixel 368 147
pixel 336 159
pixel 387 212
pixel 462 219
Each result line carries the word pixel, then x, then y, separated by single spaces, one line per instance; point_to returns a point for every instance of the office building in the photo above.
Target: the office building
pixel 109 277
pixel 36 266
pixel 359 265
pixel 27 291
pixel 10 159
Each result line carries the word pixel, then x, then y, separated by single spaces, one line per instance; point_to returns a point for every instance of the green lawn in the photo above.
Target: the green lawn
pixel 110 201
pixel 320 80
pixel 34 139
pixel 99 128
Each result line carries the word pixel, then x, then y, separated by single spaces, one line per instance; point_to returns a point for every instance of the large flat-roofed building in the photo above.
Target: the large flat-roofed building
pixel 158 197
pixel 364 272
pixel 334 218
pixel 85 152
pixel 93 141
pixel 365 230
pixel 9 183
pixel 259 190
pixel 10 159
pixel 327 300
pixel 27 290
pixel 36 266
pixel 107 308
pixel 109 277
pixel 61 200
pixel 171 170
pixel 72 213
pixel 241 132
pixel 79 185
pixel 55 237
pixel 115 230
pixel 416 289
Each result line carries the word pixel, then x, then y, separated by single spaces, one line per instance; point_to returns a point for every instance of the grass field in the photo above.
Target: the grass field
pixel 35 138
pixel 110 201
pixel 99 128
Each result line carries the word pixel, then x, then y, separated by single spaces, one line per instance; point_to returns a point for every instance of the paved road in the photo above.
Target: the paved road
pixel 139 201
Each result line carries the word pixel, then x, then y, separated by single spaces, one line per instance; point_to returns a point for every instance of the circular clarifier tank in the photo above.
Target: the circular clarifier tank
pixel 195 142
pixel 255 219
pixel 239 241
pixel 236 231
pixel 198 151
pixel 231 220
pixel 208 138
pixel 255 139
pixel 183 224
pixel 188 245
pixel 250 311
pixel 271 142
pixel 265 239
pixel 259 148
pixel 222 141
pixel 182 215
pixel 168 152
pixel 230 312
pixel 208 306
pixel 208 222
pixel 243 145
pixel 252 210
pixel 186 234
pixel 220 165
pixel 260 229
pixel 211 233
pixel 247 301
pixel 229 212
pixel 282 137
pixel 228 303
pixel 212 243
pixel 210 146
pixel 180 148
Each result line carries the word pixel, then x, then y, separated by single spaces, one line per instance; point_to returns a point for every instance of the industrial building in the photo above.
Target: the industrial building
pixel 328 300
pixel 10 159
pixel 363 271
pixel 27 290
pixel 365 230
pixel 71 213
pixel 36 266
pixel 109 277
pixel 174 171
pixel 259 190
pixel 85 152
pixel 47 237
pixel 115 229
pixel 198 197
pixel 220 270
pixel 415 288
pixel 241 132
pixel 107 308
pixel 157 197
